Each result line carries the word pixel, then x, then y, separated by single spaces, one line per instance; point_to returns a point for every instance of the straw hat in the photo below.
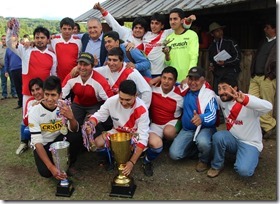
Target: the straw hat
pixel 213 26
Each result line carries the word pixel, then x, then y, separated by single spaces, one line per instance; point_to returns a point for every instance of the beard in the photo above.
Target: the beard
pixel 226 98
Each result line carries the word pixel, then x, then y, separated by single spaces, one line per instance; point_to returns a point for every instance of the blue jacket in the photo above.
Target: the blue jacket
pixel 12 61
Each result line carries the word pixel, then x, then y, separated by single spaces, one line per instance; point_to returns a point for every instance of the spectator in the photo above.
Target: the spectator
pixel 198 121
pixel 263 76
pixel 221 68
pixel 182 48
pixel 165 112
pixel 4 80
pixel 243 136
pixel 204 38
pixel 67 47
pixel 130 115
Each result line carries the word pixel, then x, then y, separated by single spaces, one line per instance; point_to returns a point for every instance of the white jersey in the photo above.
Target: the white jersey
pixel 135 119
pixel 243 121
pixel 115 78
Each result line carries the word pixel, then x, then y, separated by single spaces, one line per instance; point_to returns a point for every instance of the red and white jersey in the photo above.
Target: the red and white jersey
pixel 153 44
pixel 243 121
pixel 134 119
pixel 94 90
pixel 67 54
pixel 165 107
pixel 124 32
pixel 35 63
pixel 28 106
pixel 115 78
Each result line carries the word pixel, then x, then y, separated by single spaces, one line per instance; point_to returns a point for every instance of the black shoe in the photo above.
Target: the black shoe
pixel 148 169
pixel 3 98
pixel 18 107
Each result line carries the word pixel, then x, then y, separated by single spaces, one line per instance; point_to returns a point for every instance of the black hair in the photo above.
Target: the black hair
pixel 41 29
pixel 271 22
pixel 229 80
pixel 67 21
pixel 171 70
pixel 179 11
pixel 78 26
pixel 158 17
pixel 52 83
pixel 128 87
pixel 34 81
pixel 142 22
pixel 117 51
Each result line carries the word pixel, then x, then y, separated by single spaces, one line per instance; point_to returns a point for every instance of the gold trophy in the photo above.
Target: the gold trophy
pixel 60 155
pixel 122 186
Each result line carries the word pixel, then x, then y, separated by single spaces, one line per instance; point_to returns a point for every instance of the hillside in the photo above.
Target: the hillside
pixel 27 25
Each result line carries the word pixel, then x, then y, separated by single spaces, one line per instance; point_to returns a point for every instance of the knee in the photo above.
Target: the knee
pixel 155 142
pixel 174 155
pixel 244 171
pixel 217 137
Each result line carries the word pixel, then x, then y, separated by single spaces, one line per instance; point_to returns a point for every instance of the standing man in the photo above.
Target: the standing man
pixel 182 47
pixel 243 136
pixel 4 80
pixel 165 112
pixel 263 76
pixel 198 121
pixel 45 123
pixel 67 47
pixel 37 61
pixel 93 41
pixel 221 68
pixel 13 68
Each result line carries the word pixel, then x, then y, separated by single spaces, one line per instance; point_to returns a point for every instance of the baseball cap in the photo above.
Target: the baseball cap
pixel 86 57
pixel 196 72
pixel 113 34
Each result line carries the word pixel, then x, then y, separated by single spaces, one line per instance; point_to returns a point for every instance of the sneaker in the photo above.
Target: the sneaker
pixel 148 169
pixel 22 148
pixel 201 167
pixel 213 172
pixel 269 133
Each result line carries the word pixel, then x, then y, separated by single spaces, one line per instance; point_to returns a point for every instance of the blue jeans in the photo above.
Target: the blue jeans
pixel 182 145
pixel 4 84
pixel 247 156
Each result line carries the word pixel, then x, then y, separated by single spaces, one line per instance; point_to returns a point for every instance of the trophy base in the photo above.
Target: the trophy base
pixel 123 190
pixel 64 191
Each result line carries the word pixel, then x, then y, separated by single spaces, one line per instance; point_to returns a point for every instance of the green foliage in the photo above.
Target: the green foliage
pixel 27 25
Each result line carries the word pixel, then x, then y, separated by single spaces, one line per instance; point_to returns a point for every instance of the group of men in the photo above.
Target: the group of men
pixel 111 85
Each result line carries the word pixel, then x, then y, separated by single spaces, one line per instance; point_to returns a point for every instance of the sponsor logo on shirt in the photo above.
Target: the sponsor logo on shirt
pixel 51 127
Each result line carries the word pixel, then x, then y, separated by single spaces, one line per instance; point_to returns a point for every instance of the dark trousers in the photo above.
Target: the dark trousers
pixel 75 140
pixel 17 78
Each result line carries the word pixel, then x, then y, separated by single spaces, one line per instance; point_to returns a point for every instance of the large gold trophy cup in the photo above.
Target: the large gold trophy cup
pixel 122 186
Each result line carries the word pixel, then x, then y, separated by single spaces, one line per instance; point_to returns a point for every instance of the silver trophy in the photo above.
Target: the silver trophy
pixel 60 155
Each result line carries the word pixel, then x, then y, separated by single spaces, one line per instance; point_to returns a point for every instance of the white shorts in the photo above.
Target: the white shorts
pixel 158 129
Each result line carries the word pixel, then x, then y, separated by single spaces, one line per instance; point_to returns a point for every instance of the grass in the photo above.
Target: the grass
pixel 171 181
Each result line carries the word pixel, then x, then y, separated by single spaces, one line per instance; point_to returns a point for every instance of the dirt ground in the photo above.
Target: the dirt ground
pixel 172 180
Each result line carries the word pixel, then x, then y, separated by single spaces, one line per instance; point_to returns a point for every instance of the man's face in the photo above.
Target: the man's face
pixel 223 90
pixel 94 29
pixel 3 40
pixel 127 101
pixel 66 32
pixel 269 31
pixel 138 31
pixel 114 63
pixel 51 98
pixel 175 21
pixel 110 43
pixel 85 69
pixel 75 30
pixel 195 83
pixel 167 82
pixel 37 92
pixel 156 26
pixel 41 41
pixel 218 33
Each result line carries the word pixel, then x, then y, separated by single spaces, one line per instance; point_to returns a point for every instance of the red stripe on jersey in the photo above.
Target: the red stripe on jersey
pixel 150 46
pixel 234 112
pixel 40 65
pixel 123 76
pixel 140 46
pixel 25 119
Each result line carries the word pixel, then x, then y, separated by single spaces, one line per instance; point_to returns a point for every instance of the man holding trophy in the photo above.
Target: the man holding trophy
pixel 49 122
pixel 130 118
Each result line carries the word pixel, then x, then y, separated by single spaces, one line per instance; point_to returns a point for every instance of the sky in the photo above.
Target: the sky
pixel 46 9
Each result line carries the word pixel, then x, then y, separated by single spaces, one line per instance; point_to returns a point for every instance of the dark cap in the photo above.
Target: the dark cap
pixel 86 57
pixel 113 34
pixel 196 72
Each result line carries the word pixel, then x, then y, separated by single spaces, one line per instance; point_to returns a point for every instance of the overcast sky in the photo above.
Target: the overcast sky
pixel 46 9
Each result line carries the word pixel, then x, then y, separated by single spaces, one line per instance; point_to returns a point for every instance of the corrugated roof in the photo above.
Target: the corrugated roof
pixel 125 9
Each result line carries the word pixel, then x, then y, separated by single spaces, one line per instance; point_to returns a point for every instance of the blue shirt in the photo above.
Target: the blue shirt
pixel 12 61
